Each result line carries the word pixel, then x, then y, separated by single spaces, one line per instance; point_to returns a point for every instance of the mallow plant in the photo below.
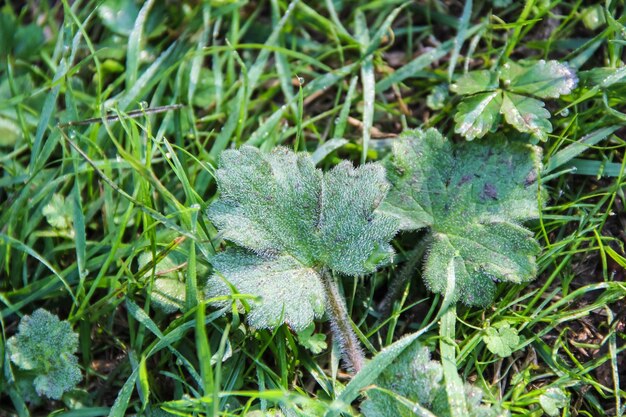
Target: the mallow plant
pixel 472 197
pixel 294 228
pixel 43 351
pixel 513 91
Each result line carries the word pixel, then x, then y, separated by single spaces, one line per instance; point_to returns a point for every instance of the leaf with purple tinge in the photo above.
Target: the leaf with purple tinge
pixel 472 197
pixel 526 114
pixel 478 114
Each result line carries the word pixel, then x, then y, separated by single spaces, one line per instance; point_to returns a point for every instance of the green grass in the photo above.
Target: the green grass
pixel 315 76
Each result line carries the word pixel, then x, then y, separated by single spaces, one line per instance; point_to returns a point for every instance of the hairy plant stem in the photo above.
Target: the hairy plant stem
pixel 399 281
pixel 341 324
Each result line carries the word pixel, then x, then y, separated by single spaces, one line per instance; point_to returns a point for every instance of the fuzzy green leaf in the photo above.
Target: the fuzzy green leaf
pixel 478 114
pixel 475 82
pixel 413 376
pixel 544 79
pixel 472 196
pixel 286 291
pixel 295 221
pixel 45 346
pixel 501 339
pixel 413 386
pixel 526 114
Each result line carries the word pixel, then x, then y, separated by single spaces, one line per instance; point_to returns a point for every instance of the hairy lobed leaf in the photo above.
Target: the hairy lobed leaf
pixel 286 290
pixel 472 197
pixel 478 114
pixel 45 346
pixel 491 94
pixel 293 221
pixel 475 82
pixel 543 79
pixel 526 114
pixel 413 386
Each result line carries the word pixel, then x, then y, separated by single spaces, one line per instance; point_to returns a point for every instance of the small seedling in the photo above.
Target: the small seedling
pixel 553 400
pixel 294 225
pixel 509 92
pixel 58 212
pixel 472 196
pixel 501 339
pixel 44 347
pixel 314 342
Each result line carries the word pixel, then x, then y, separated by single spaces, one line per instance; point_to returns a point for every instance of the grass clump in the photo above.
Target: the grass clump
pixel 115 117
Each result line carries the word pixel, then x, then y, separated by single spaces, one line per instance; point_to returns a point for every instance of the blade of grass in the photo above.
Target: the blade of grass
pixel 326 148
pixel 369 46
pixel 416 65
pixel 153 213
pixel 143 384
pixel 342 120
pixel 568 153
pixel 123 397
pixel 257 69
pixel 134 44
pixel 371 371
pixel 16 244
pixel 367 80
pixel 369 90
pixel 460 37
pixel 596 169
pixel 78 217
pixel 191 288
pixel 283 68
pixel 159 69
pixel 320 83
pixel 520 23
pixel 299 116
pixel 204 351
pixel 197 61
